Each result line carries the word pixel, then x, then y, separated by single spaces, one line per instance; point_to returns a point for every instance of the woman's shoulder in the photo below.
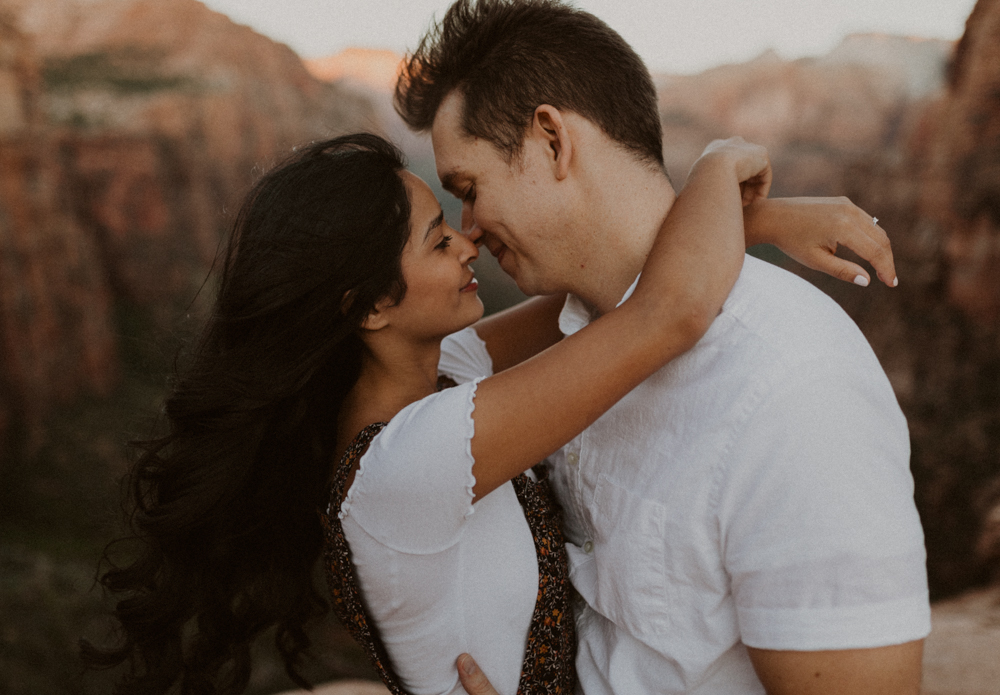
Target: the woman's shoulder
pixel 413 487
pixel 433 420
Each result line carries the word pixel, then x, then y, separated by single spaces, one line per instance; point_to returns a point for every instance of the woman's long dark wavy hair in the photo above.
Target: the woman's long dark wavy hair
pixel 226 503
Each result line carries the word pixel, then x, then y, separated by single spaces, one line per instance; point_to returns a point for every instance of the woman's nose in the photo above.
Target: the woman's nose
pixel 470 245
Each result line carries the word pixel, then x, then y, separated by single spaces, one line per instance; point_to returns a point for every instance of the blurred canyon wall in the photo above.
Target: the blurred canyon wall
pixel 129 128
pixel 128 131
pixel 939 195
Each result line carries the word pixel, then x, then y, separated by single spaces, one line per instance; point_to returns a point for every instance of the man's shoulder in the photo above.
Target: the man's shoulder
pixel 774 315
pixel 775 331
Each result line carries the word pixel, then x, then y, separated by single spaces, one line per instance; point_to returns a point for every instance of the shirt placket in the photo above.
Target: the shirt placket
pixel 567 471
pixel 584 470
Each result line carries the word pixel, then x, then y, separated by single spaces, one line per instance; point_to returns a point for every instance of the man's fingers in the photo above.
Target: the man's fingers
pixel 473 679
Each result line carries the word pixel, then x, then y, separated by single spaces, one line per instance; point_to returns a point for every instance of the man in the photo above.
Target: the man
pixel 743 521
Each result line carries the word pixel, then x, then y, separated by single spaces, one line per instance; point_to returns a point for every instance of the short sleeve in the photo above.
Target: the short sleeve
pixel 413 489
pixel 821 538
pixel 464 356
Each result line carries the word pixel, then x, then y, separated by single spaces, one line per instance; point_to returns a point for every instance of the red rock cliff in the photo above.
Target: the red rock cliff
pixel 938 334
pixel 56 334
pixel 128 131
pixel 815 115
pixel 962 182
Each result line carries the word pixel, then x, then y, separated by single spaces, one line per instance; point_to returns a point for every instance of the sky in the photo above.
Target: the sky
pixel 679 36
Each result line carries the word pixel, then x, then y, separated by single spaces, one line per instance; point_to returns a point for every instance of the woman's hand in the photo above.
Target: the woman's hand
pixel 753 166
pixel 809 230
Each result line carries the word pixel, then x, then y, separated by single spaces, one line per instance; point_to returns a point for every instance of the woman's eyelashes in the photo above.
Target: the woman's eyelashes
pixel 444 243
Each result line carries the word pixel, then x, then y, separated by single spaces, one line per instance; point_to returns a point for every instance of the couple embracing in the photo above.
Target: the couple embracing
pixel 726 504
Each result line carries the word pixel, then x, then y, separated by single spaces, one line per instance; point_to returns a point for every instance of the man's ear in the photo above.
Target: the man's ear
pixel 550 128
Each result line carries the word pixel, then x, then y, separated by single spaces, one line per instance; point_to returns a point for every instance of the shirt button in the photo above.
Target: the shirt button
pixel 588 547
pixel 572 458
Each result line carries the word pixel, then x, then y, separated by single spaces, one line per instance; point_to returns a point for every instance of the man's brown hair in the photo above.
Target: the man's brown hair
pixel 507 57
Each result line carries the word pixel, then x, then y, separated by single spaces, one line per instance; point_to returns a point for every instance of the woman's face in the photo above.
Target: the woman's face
pixel 441 288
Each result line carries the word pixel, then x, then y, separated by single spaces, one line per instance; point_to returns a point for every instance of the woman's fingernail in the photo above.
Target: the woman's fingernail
pixel 861 280
pixel 895 282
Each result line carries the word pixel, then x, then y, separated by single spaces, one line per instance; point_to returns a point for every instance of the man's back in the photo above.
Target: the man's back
pixel 756 490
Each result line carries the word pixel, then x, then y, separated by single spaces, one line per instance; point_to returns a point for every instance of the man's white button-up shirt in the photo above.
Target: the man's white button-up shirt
pixel 756 491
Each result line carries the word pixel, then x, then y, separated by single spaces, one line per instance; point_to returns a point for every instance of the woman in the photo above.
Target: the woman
pixel 340 281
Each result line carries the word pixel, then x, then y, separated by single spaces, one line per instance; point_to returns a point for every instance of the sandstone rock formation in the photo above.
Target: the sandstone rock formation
pixel 56 333
pixel 815 115
pixel 962 192
pixel 172 108
pixel 962 185
pixel 372 68
pixel 128 131
pixel 938 336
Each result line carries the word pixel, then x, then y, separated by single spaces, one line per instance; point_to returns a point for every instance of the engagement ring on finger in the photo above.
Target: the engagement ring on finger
pixel 874 221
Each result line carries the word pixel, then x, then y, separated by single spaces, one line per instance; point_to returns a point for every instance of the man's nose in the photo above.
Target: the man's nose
pixel 474 233
pixel 468 220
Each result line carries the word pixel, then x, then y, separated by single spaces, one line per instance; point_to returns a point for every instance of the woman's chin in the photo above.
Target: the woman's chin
pixel 476 312
pixel 480 310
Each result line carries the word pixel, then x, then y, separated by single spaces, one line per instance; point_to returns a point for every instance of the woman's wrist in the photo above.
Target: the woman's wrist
pixel 758 221
pixel 711 163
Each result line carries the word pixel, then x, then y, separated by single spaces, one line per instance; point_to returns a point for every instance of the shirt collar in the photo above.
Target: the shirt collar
pixel 575 314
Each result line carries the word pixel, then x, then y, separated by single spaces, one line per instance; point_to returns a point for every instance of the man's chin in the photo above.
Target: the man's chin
pixel 527 286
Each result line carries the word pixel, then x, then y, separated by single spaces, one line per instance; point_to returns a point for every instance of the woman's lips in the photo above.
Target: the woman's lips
pixel 471 287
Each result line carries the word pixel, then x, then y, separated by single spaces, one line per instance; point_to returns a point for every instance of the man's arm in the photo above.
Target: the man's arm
pixel 893 670
pixel 824 545
pixel 522 331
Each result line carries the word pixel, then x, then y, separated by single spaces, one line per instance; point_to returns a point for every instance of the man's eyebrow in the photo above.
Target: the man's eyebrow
pixel 435 223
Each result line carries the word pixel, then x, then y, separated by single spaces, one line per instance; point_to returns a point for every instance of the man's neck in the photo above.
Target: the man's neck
pixel 626 208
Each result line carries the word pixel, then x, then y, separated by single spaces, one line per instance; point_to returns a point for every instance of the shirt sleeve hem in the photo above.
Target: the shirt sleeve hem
pixel 856 627
pixel 470 425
